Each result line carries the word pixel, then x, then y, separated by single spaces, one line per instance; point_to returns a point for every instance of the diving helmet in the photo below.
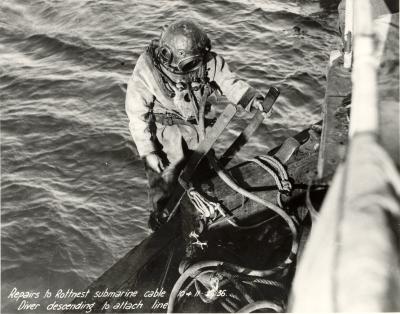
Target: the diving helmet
pixel 182 47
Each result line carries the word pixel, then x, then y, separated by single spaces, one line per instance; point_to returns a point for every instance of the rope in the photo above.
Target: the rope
pixel 267 282
pixel 197 241
pixel 270 171
pixel 278 166
pixel 205 207
pixel 286 185
pixel 209 209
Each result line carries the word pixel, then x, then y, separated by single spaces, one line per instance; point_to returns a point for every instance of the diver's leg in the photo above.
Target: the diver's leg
pixel 162 184
pixel 157 191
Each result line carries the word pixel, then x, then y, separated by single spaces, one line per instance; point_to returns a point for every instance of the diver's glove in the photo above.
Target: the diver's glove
pixel 155 162
pixel 257 102
pixel 154 222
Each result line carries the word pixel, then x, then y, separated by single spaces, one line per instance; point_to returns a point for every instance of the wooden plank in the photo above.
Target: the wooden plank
pixel 242 139
pixel 205 146
pixel 335 120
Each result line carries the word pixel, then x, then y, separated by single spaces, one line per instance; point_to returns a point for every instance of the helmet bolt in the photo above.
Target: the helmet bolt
pixel 180 86
pixel 196 86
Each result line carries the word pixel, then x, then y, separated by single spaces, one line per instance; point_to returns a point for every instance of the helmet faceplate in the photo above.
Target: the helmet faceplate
pixel 183 46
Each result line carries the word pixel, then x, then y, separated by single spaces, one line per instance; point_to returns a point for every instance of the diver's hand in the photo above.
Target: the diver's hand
pixel 154 162
pixel 257 104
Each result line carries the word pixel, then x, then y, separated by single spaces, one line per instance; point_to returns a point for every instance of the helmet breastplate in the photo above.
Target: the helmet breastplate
pixel 178 86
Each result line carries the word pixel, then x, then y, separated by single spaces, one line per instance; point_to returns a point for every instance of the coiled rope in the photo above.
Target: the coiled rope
pixel 207 208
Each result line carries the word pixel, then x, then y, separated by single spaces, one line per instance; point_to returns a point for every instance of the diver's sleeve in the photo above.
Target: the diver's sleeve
pixel 236 90
pixel 137 105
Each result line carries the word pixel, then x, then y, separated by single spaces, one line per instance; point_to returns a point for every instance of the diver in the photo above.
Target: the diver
pixel 166 103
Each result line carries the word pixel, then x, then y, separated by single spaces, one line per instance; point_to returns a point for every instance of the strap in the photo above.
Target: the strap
pixel 171 119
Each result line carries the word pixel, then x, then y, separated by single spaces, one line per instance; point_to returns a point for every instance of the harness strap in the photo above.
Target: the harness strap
pixel 171 119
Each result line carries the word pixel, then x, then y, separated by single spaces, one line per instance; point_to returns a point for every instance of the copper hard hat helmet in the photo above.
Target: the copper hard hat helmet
pixel 183 46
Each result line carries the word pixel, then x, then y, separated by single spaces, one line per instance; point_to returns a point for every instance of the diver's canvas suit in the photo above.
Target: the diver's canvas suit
pixel 147 95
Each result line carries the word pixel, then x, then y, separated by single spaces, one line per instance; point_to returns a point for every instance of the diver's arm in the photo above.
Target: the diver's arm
pixel 236 90
pixel 137 105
